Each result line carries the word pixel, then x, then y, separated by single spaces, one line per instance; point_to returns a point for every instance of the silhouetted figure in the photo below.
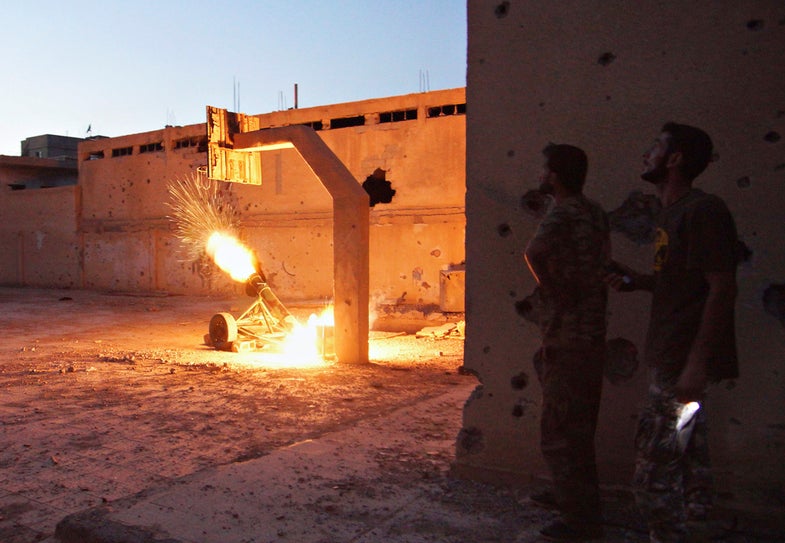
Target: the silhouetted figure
pixel 691 339
pixel 567 257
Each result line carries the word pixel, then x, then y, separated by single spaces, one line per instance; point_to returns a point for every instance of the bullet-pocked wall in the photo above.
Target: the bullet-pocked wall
pixel 39 203
pixel 605 76
pixel 413 145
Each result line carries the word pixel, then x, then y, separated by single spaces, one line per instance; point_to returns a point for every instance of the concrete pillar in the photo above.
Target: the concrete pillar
pixel 350 230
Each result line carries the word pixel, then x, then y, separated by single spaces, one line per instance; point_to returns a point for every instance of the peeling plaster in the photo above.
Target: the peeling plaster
pixel 470 441
pixel 502 10
pixel 621 361
pixel 528 308
pixel 536 203
pixel 755 24
pixel 635 217
pixel 520 381
pixel 606 58
pixel 743 252
pixel 774 301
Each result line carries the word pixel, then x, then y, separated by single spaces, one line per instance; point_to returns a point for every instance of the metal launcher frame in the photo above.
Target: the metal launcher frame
pixel 266 322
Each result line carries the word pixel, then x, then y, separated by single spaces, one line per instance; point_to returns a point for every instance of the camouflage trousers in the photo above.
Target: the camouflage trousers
pixel 672 481
pixel 571 388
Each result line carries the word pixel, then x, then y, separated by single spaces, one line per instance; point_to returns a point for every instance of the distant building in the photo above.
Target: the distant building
pixel 45 161
pixel 25 172
pixel 51 146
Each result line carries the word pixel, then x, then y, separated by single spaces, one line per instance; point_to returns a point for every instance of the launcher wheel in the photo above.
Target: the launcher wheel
pixel 223 330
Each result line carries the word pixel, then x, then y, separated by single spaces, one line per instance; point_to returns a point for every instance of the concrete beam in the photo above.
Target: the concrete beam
pixel 351 211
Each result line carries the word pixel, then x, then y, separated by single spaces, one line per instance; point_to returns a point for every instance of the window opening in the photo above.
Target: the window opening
pixel 446 110
pixel 346 122
pixel 396 116
pixel 122 151
pixel 316 125
pixel 194 141
pixel 151 147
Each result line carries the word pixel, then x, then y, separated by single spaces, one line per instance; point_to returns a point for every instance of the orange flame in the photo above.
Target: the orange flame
pixel 300 348
pixel 303 342
pixel 231 256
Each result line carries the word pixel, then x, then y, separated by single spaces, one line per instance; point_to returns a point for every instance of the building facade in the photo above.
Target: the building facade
pixel 115 231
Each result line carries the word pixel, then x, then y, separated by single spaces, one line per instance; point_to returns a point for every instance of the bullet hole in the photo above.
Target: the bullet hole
pixel 436 253
pixel 774 301
pixel 417 274
pixel 743 182
pixel 772 137
pixel 755 24
pixel 734 420
pixel 510 153
pixel 517 411
pixel 470 441
pixel 425 285
pixel 486 349
pixel 606 58
pixel 635 217
pixel 621 360
pixel 520 381
pixel 535 203
pixel 542 104
pixel 607 98
pixel 743 253
pixel 504 230
pixel 378 188
pixel 528 308
pixel 502 10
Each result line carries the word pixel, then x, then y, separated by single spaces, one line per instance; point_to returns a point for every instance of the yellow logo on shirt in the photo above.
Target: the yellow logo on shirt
pixel 660 249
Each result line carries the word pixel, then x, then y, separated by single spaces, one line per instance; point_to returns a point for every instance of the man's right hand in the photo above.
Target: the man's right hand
pixel 620 277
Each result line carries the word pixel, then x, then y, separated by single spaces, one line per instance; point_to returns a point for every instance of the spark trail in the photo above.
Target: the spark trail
pixel 198 210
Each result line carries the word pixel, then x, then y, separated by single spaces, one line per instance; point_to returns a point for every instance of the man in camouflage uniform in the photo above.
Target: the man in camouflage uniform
pixel 691 337
pixel 567 257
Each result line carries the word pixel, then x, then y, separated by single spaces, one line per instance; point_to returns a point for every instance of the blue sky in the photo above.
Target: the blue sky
pixel 124 67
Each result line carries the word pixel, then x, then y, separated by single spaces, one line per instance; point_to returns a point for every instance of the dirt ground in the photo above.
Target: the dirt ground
pixel 104 395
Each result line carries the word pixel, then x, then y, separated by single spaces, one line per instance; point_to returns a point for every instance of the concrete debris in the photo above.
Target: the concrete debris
pixel 450 329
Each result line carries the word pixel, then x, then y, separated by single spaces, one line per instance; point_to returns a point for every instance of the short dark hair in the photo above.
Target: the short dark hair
pixel 569 163
pixel 693 143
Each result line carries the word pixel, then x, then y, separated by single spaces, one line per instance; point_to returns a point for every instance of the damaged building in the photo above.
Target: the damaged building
pixel 110 231
pixel 432 176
